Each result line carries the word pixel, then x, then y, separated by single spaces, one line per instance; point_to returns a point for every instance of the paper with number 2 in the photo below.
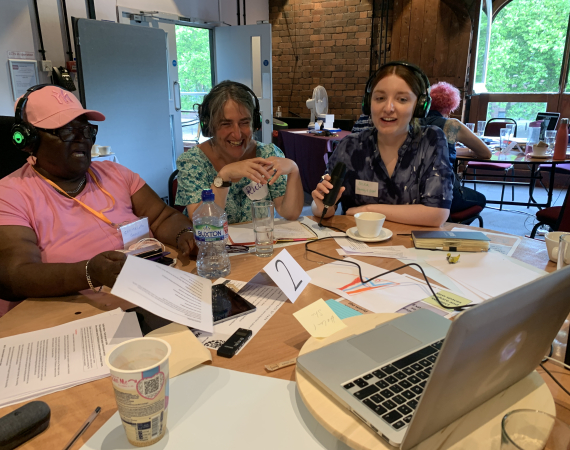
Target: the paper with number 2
pixel 288 275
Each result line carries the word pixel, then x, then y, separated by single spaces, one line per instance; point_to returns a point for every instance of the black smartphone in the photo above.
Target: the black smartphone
pixel 227 304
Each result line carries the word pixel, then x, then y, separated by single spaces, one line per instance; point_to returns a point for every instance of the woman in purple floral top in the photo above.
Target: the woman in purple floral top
pixel 398 168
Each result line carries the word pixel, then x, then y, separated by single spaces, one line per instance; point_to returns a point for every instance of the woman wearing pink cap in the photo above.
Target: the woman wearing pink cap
pixel 59 213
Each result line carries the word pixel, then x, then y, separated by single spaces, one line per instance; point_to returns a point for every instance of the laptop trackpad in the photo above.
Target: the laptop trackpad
pixel 384 343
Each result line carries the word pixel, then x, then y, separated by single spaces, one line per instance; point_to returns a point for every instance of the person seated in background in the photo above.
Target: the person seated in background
pixel 445 99
pixel 235 166
pixel 398 168
pixel 60 213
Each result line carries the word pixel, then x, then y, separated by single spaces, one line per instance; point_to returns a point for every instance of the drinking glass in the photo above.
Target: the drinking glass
pixel 527 429
pixel 504 135
pixel 481 127
pixel 511 128
pixel 563 251
pixel 471 126
pixel 550 136
pixel 262 212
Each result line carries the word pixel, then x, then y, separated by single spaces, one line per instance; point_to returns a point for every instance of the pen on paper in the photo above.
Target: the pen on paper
pixel 83 427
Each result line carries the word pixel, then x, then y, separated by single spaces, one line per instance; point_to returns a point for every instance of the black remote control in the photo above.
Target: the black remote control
pixel 234 343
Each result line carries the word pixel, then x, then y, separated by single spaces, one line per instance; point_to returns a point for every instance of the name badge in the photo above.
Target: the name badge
pixel 369 188
pixel 134 232
pixel 256 191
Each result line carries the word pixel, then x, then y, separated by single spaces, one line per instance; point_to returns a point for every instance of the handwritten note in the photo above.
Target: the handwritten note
pixel 288 275
pixel 319 319
pixel 256 191
pixel 134 232
pixel 448 299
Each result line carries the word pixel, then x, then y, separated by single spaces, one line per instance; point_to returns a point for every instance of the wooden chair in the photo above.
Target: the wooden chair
pixel 493 128
pixel 172 188
pixel 556 217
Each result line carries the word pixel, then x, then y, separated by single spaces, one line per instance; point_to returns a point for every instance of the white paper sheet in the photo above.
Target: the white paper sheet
pixel 287 274
pixel 170 293
pixel 267 300
pixel 500 243
pixel 394 251
pixel 283 229
pixel 491 273
pixel 388 293
pixel 49 360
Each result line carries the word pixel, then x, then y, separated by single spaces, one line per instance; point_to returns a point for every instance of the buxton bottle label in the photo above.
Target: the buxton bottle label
pixel 210 233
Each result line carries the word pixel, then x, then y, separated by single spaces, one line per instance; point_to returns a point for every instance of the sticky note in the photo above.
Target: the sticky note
pixel 342 311
pixel 448 299
pixel 319 319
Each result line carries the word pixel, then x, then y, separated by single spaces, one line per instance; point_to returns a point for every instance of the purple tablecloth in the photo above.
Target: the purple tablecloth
pixel 308 151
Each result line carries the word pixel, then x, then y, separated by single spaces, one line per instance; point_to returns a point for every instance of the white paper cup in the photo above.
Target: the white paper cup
pixel 369 224
pixel 539 151
pixel 139 373
pixel 552 240
pixel 104 149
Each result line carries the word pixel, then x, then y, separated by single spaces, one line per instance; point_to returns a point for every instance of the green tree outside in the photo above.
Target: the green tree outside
pixel 194 63
pixel 526 51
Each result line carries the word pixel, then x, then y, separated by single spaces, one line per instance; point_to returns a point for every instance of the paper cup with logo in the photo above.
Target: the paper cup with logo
pixel 139 373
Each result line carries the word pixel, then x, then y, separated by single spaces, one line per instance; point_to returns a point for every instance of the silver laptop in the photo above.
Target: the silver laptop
pixel 395 376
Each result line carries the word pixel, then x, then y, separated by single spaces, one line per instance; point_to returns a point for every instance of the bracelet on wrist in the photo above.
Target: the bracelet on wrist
pixel 182 231
pixel 89 279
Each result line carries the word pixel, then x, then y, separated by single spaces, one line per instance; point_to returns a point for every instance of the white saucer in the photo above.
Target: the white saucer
pixel 548 155
pixel 384 235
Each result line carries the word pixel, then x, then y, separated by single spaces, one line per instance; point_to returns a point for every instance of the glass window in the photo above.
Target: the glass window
pixel 515 110
pixel 194 74
pixel 527 46
pixel 483 47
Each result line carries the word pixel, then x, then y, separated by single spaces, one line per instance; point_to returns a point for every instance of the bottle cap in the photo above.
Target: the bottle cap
pixel 208 195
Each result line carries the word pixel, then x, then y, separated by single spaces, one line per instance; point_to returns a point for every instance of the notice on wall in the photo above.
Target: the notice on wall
pixel 24 75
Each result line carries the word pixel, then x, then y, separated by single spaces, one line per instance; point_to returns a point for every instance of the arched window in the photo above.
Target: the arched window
pixel 525 55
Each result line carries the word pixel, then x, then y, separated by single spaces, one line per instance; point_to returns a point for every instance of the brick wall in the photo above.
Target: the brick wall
pixel 321 42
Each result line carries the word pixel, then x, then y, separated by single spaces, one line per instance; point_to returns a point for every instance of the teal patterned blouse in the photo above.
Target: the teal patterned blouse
pixel 197 173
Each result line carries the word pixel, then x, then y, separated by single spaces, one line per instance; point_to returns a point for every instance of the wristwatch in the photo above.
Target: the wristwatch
pixel 220 183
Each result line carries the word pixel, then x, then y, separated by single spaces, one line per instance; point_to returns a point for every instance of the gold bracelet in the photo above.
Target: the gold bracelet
pixel 89 279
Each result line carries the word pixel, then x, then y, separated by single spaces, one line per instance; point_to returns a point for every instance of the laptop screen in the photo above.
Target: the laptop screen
pixel 553 116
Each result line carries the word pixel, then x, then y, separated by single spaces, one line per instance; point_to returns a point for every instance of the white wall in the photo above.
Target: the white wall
pixel 18 26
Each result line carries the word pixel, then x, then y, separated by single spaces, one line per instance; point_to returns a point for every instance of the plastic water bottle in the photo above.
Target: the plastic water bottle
pixel 211 234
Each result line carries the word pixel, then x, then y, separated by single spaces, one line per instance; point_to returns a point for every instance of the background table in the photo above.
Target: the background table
pixel 308 151
pixel 279 340
pixel 518 158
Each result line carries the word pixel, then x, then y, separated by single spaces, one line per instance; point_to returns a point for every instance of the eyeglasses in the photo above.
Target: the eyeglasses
pixel 69 134
pixel 237 249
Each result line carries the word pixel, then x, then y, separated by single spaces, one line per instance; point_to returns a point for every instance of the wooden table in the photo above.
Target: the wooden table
pixel 279 340
pixel 517 158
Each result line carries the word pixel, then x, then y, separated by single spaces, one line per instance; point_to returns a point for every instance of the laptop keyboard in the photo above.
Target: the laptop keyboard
pixel 394 390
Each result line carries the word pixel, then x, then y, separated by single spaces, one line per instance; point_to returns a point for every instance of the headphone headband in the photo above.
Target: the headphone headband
pixel 424 100
pixel 204 109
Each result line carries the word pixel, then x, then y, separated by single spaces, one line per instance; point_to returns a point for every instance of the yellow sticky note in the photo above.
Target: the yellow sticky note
pixel 319 319
pixel 448 299
pixel 187 350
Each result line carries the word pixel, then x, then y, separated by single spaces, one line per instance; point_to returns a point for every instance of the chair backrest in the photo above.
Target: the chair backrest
pixel 172 188
pixel 11 158
pixel 563 222
pixel 493 127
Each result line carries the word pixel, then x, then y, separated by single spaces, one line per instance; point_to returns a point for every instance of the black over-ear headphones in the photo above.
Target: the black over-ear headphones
pixel 424 100
pixel 204 109
pixel 24 135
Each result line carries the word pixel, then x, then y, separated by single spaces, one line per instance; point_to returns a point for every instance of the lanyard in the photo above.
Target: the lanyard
pixel 98 214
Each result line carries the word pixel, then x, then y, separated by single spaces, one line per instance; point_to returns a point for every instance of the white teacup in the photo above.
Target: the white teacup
pixel 104 150
pixel 539 150
pixel 369 224
pixel 552 240
pixel 95 150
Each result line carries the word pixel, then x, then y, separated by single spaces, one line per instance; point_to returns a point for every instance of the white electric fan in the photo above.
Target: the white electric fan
pixel 319 104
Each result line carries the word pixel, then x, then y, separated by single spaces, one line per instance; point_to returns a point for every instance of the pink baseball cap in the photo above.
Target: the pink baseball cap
pixel 52 107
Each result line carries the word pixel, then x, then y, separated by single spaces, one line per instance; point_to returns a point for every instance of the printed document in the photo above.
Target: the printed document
pixel 170 293
pixel 45 361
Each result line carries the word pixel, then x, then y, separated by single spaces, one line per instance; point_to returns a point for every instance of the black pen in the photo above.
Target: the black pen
pixel 404 234
pixel 83 428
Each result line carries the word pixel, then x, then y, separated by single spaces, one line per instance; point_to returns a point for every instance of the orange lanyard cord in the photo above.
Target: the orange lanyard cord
pixel 98 214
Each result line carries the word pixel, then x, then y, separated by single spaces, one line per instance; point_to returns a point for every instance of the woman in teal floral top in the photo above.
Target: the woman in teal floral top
pixel 232 164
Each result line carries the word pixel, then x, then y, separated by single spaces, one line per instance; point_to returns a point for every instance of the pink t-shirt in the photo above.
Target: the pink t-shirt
pixel 66 231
